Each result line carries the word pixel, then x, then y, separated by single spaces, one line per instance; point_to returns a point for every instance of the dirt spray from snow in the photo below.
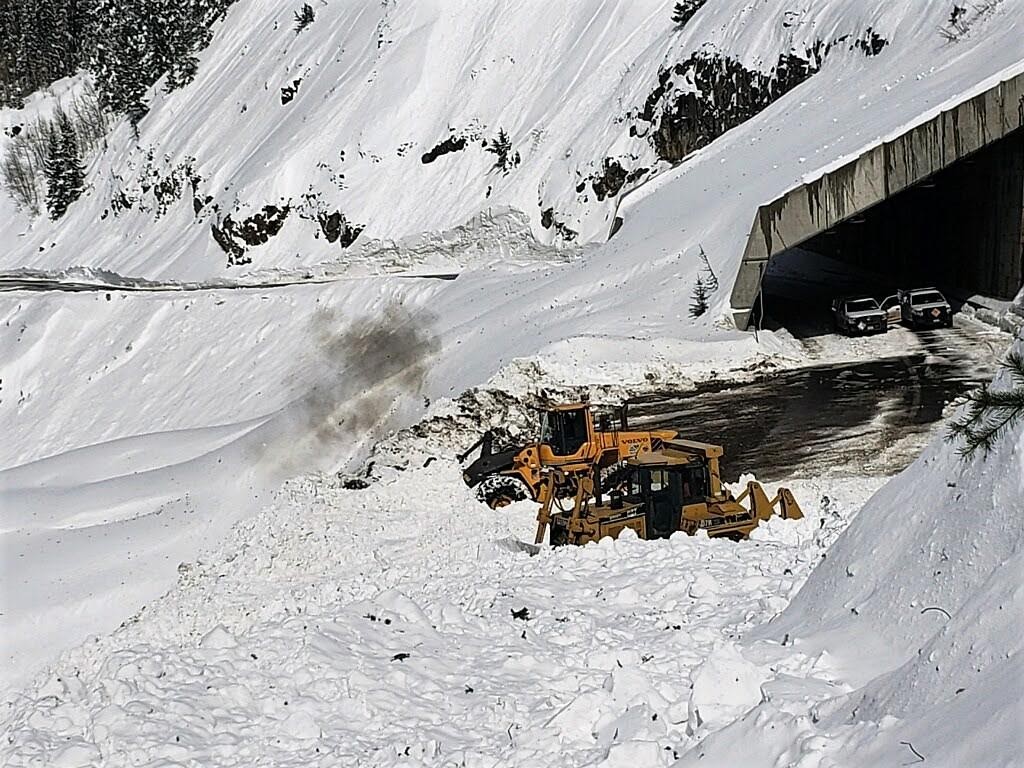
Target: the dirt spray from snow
pixel 364 370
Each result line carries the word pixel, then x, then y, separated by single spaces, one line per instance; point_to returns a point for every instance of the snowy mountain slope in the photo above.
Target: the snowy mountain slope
pixel 71 382
pixel 922 625
pixel 382 85
pixel 141 427
pixel 166 419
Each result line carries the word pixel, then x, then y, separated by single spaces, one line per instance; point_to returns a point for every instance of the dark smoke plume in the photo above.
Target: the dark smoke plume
pixel 363 369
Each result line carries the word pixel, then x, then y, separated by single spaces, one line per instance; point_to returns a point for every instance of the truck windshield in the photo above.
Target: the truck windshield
pixel 861 305
pixel 932 297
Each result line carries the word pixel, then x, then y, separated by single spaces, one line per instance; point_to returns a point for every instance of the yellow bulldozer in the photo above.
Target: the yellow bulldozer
pixel 677 487
pixel 571 444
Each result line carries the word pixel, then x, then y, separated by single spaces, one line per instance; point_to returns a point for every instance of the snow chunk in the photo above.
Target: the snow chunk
pixel 218 638
pixel 77 756
pixel 301 725
pixel 634 753
pixel 724 687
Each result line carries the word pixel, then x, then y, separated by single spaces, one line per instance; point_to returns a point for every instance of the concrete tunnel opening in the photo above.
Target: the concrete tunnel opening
pixel 939 204
pixel 960 229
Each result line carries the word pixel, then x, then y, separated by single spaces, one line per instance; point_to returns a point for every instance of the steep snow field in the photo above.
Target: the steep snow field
pixel 140 427
pixel 383 83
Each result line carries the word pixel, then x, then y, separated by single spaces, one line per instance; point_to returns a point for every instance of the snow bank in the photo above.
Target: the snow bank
pixel 917 612
pixel 378 627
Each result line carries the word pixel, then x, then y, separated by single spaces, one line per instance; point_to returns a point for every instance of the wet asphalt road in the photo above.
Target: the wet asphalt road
pixel 866 417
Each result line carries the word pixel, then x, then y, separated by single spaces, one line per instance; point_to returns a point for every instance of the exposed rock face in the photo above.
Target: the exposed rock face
pixel 611 179
pixel 871 43
pixel 234 237
pixel 337 229
pixel 451 144
pixel 548 219
pixel 158 185
pixel 720 94
pixel 288 91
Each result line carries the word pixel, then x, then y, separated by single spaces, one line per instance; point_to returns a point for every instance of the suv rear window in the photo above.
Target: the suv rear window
pixel 861 305
pixel 932 297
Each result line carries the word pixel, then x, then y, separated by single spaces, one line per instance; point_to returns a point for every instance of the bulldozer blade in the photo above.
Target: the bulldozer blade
pixel 759 503
pixel 487 465
pixel 788 508
pixel 512 544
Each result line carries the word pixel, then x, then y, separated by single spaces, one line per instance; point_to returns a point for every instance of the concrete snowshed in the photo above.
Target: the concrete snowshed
pixel 942 203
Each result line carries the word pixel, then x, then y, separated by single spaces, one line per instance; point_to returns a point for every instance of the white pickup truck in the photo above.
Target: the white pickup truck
pixel 924 308
pixel 858 315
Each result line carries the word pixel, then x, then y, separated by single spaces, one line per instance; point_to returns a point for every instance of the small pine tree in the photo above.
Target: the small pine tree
pixel 501 147
pixel 136 109
pixel 991 413
pixel 712 280
pixel 74 171
pixel 700 297
pixel 304 18
pixel 685 10
pixel 65 176
pixel 56 196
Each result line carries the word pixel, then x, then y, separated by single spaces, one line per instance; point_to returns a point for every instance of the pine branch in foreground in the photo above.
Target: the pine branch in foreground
pixel 990 414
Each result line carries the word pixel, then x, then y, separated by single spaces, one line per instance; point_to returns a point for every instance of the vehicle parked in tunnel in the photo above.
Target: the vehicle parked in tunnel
pixel 858 315
pixel 891 306
pixel 924 308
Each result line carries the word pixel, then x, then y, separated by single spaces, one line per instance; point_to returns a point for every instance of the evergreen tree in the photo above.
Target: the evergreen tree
pixel 991 413
pixel 712 278
pixel 685 10
pixel 74 171
pixel 501 147
pixel 127 44
pixel 700 296
pixel 65 176
pixel 304 18
pixel 56 197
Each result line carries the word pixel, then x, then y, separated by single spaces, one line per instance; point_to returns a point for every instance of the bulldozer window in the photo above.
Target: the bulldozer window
pixel 664 501
pixel 564 431
pixel 694 482
pixel 657 480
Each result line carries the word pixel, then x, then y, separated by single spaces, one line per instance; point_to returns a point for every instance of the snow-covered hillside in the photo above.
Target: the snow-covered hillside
pixel 581 90
pixel 396 626
pixel 140 427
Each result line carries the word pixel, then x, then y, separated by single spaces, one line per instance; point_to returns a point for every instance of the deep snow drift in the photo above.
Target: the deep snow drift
pixel 393 626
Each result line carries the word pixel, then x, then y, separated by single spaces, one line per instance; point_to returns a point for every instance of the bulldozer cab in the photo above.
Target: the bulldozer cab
pixel 566 429
pixel 663 489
